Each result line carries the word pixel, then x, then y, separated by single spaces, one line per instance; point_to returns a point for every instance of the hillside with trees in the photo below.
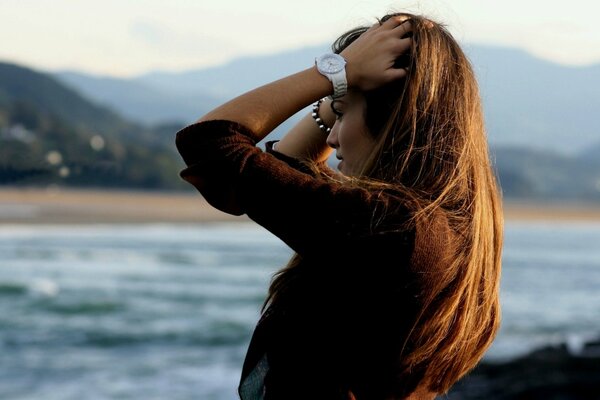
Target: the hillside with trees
pixel 49 134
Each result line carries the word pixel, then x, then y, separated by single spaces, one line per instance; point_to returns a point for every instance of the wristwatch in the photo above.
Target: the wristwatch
pixel 333 66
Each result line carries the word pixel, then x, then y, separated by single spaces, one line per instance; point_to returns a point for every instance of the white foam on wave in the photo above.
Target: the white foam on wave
pixel 44 287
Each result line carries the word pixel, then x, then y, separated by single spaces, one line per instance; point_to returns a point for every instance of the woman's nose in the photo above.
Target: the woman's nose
pixel 332 137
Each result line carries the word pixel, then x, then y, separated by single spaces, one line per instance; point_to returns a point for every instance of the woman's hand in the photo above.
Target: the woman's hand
pixel 370 58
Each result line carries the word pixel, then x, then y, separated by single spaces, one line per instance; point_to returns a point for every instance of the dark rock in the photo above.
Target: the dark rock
pixel 550 373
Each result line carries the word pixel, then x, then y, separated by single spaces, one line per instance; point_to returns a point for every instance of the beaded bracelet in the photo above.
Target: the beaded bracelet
pixel 317 118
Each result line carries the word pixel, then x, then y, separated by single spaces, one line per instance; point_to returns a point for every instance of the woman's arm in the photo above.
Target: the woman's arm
pixel 263 109
pixel 306 140
pixel 370 60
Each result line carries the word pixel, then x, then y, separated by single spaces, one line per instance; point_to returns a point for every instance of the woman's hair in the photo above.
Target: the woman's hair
pixel 431 151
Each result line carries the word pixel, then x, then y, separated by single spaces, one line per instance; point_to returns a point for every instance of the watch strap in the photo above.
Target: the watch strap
pixel 340 84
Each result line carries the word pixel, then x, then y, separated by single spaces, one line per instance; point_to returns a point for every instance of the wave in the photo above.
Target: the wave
pixel 12 289
pixel 90 308
pixel 43 287
pixel 228 334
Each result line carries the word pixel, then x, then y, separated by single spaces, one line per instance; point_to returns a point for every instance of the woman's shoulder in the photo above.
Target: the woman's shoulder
pixel 435 240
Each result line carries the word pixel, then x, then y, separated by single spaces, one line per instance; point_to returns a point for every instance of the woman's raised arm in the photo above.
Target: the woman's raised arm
pixel 264 108
pixel 370 64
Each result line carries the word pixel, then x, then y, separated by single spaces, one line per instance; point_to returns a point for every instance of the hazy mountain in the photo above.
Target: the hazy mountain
pixel 236 76
pixel 187 95
pixel 537 104
pixel 137 100
pixel 528 102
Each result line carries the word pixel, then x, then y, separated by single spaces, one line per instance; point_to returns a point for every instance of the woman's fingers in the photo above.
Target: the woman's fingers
pixel 394 22
pixel 373 57
pixel 401 30
pixel 403 45
pixel 396 73
pixel 404 29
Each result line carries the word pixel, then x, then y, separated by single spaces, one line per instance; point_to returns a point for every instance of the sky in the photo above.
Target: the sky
pixel 125 38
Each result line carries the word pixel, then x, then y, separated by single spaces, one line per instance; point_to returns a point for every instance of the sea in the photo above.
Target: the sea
pixel 166 311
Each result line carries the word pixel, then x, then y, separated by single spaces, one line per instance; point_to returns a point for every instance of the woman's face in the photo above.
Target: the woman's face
pixel 349 135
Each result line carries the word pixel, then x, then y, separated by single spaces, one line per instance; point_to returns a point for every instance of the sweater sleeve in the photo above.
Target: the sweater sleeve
pixel 306 212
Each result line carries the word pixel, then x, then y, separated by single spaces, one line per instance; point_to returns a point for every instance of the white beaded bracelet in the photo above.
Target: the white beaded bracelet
pixel 318 119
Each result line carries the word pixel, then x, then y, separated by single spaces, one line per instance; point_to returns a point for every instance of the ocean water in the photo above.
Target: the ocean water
pixel 166 311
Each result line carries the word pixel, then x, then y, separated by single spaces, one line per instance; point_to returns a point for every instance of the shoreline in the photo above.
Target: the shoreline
pixel 90 206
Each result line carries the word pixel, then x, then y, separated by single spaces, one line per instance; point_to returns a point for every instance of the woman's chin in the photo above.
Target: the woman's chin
pixel 345 169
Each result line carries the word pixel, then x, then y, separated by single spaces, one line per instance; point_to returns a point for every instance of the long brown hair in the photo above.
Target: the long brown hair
pixel 432 152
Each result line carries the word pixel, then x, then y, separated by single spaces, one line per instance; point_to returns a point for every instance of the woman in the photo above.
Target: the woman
pixel 392 292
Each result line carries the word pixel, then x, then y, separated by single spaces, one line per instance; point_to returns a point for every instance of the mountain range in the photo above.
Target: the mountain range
pixel 528 102
pixel 542 121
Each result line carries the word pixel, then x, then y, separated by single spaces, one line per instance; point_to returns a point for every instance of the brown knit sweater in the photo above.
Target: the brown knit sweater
pixel 350 301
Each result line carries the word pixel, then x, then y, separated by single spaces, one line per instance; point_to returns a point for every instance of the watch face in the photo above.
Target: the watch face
pixel 331 63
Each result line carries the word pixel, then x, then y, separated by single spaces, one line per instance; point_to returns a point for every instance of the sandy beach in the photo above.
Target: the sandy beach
pixel 74 206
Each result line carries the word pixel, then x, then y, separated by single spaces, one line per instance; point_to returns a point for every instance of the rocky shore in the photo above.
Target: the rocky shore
pixel 559 372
